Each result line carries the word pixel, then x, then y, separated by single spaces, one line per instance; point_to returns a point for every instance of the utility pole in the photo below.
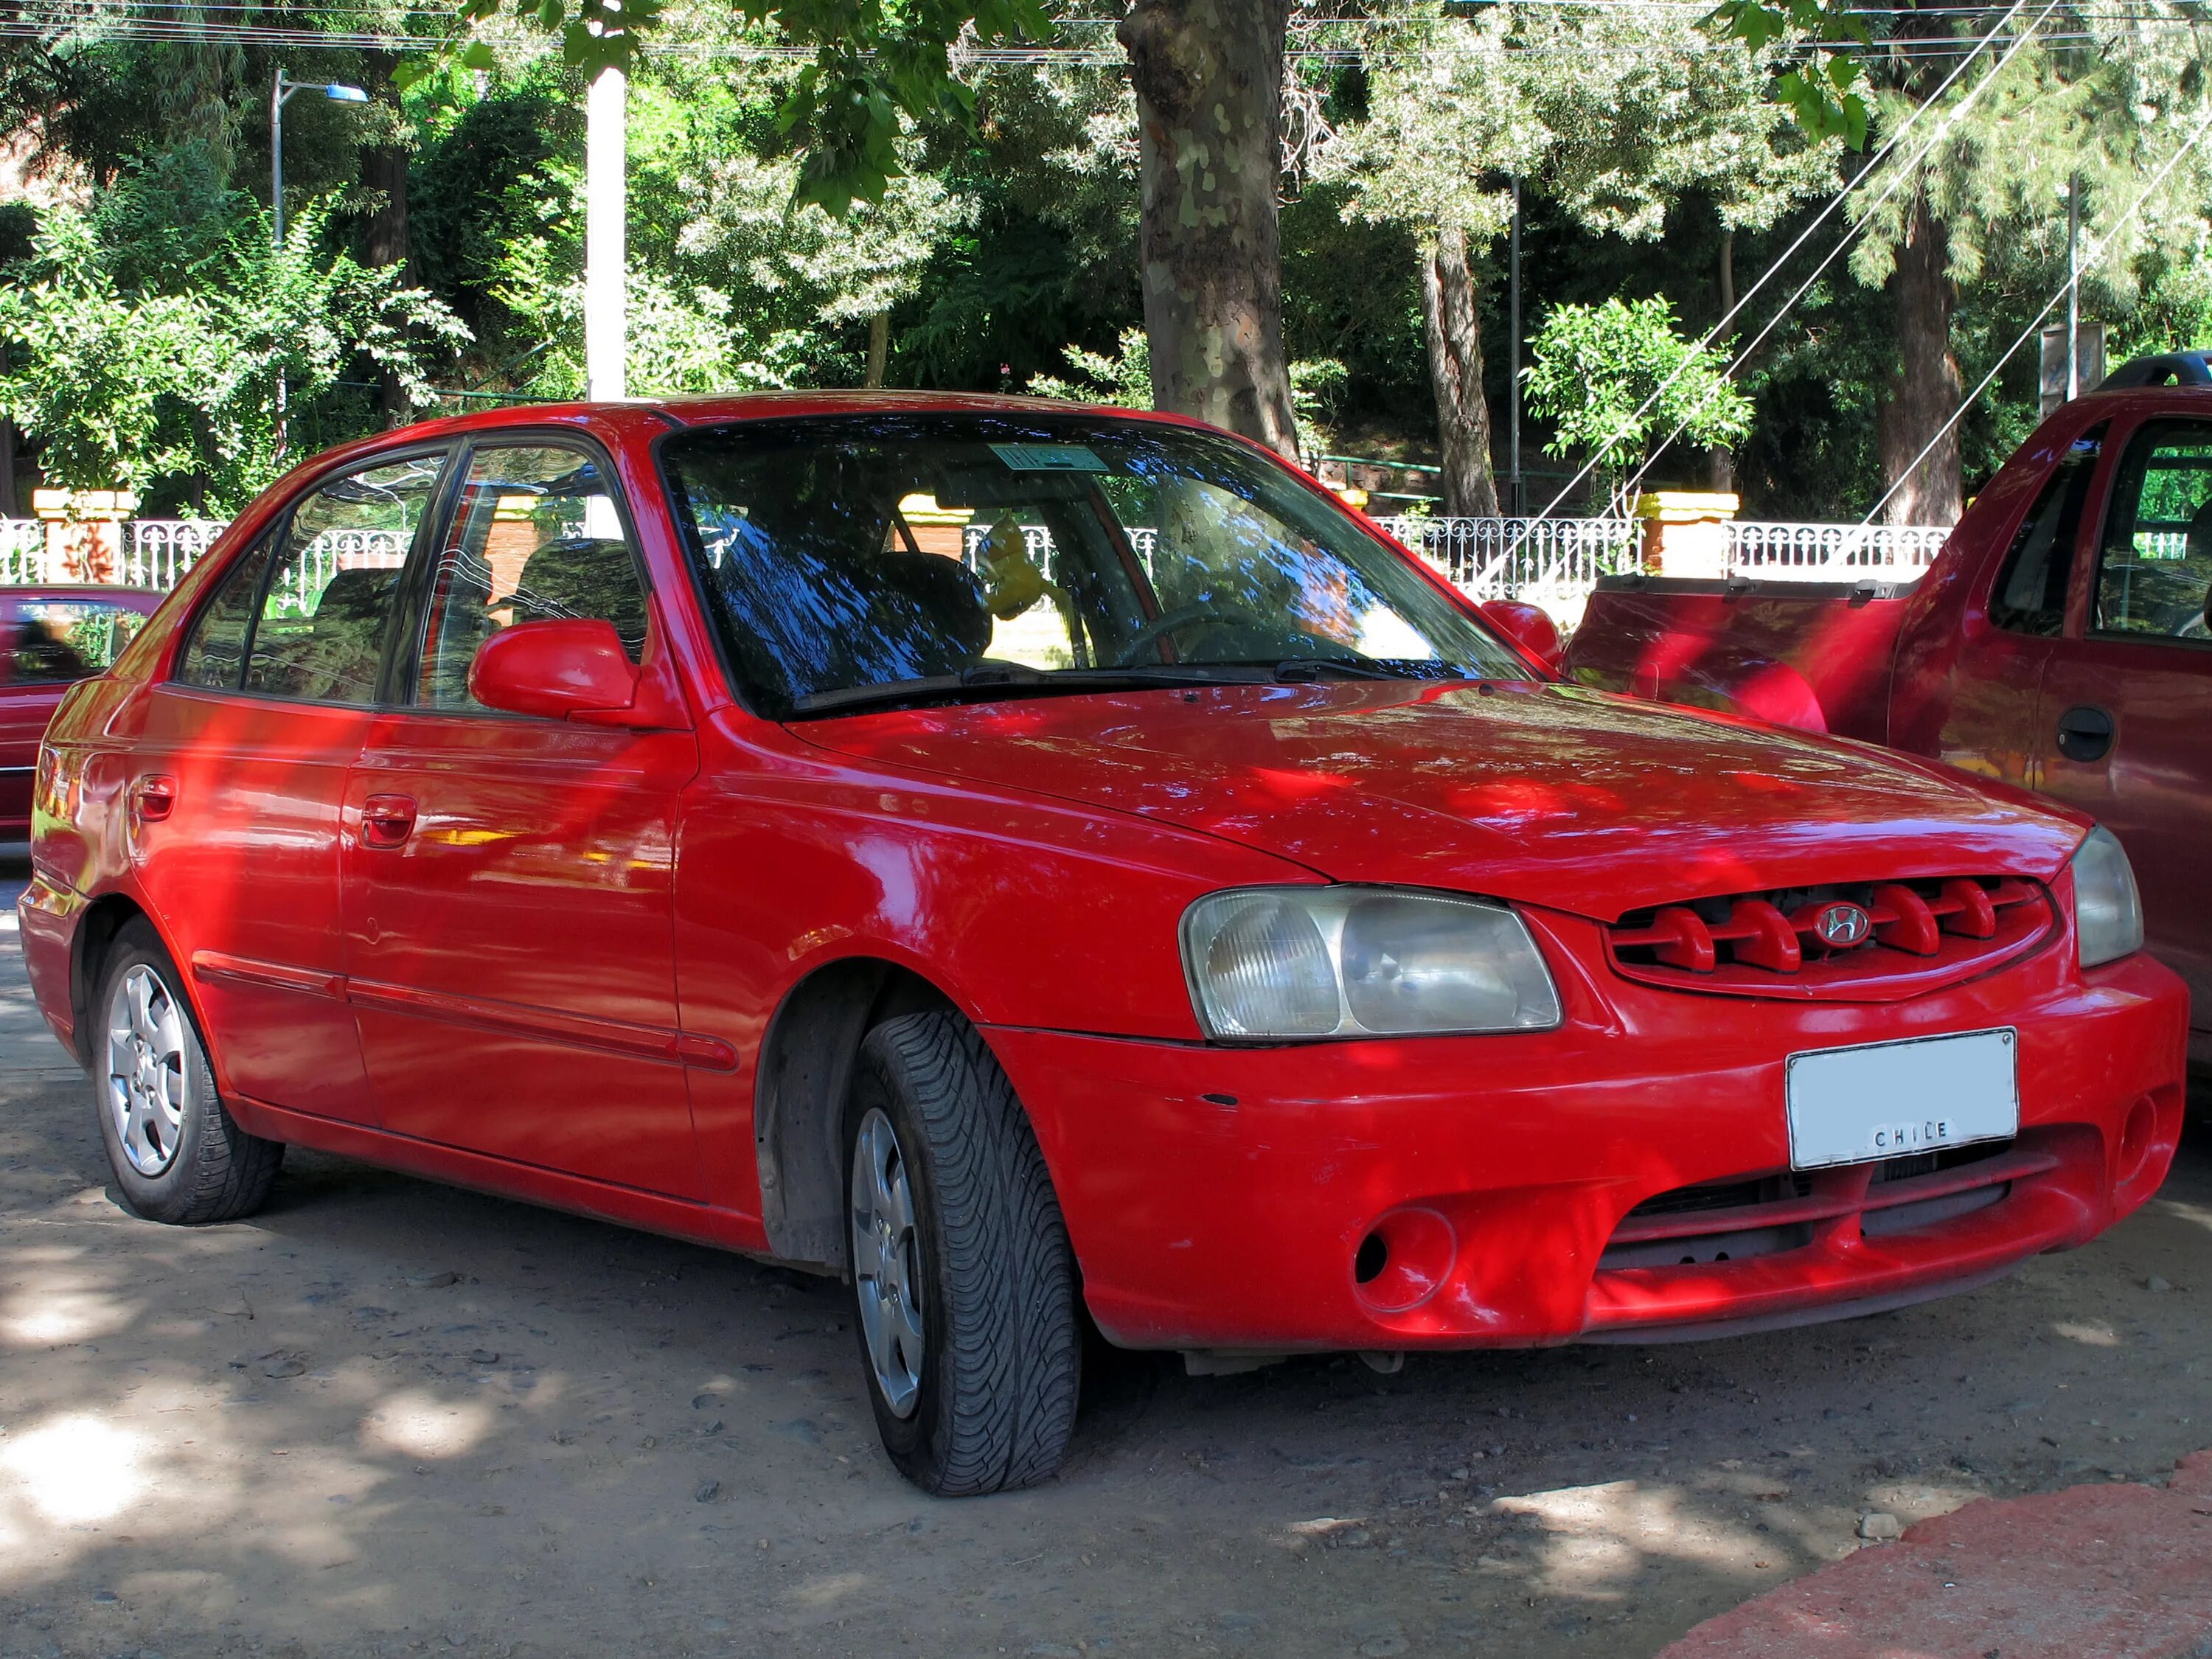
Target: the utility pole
pixel 606 206
pixel 2073 287
pixel 1515 505
pixel 280 94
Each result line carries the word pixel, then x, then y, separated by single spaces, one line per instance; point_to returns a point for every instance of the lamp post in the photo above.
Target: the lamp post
pixel 2073 287
pixel 280 94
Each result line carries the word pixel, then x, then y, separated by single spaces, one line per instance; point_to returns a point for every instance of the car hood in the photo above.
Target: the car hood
pixel 1546 794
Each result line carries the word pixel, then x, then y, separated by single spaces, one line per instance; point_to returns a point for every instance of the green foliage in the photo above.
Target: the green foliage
pixel 1821 87
pixel 1594 367
pixel 879 66
pixel 1124 380
pixel 146 337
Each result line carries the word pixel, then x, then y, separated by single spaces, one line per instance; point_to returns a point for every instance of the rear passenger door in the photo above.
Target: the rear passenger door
pixel 238 776
pixel 509 878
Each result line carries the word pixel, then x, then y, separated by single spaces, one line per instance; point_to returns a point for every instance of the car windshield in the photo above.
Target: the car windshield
pixel 858 559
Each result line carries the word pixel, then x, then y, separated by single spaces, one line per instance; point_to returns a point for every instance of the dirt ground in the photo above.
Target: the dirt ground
pixel 386 1417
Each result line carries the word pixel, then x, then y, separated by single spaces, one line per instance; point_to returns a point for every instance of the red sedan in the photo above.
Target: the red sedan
pixel 1034 862
pixel 50 639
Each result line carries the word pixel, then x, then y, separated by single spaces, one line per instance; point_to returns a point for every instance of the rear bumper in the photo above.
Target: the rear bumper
pixel 47 914
pixel 1218 1198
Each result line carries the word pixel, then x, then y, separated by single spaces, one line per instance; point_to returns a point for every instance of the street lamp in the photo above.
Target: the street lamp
pixel 280 94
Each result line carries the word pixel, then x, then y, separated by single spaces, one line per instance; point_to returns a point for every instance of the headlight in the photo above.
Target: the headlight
pixel 1270 964
pixel 2107 910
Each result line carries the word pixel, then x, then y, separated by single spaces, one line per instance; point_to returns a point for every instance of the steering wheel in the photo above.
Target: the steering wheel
pixel 1177 620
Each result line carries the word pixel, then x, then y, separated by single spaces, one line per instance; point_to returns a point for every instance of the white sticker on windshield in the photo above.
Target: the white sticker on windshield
pixel 1048 458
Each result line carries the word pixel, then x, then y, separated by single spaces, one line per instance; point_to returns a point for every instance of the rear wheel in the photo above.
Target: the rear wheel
pixel 963 1280
pixel 177 1153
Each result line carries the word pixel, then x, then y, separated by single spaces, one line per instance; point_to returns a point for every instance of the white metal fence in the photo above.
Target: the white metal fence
pixel 1552 563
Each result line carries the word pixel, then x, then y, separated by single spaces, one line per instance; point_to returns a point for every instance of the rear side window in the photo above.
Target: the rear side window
pixel 2030 596
pixel 331 592
pixel 2154 568
pixel 215 655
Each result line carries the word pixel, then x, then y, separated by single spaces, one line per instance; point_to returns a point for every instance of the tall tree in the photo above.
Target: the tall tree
pixel 1209 78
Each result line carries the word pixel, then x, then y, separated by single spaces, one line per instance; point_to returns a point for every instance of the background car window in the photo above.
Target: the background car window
pixel 56 641
pixel 215 654
pixel 329 595
pixel 2154 569
pixel 535 536
pixel 2030 596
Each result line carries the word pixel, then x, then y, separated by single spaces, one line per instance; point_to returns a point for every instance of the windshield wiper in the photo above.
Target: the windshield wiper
pixel 1291 670
pixel 988 680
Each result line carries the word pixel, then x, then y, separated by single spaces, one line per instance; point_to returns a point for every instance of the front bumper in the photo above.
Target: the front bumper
pixel 1218 1198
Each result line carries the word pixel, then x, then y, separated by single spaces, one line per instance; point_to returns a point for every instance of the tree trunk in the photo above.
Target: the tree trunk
pixel 9 506
pixel 879 346
pixel 387 240
pixel 1209 82
pixel 1922 393
pixel 1453 325
pixel 1720 459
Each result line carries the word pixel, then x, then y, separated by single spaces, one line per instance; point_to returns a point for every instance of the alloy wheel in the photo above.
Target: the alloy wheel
pixel 887 1263
pixel 147 1091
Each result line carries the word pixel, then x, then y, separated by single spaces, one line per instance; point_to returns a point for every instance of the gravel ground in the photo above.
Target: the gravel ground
pixel 386 1417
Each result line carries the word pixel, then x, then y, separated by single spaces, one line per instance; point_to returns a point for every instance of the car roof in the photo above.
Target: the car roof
pixel 83 591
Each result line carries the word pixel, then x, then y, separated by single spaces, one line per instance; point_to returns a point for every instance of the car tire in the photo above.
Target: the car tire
pixel 963 1284
pixel 177 1154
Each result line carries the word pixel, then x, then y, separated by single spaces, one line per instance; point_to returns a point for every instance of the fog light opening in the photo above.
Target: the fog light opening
pixel 1404 1259
pixel 2137 1136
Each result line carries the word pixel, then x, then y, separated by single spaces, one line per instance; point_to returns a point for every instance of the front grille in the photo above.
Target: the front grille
pixel 1741 1218
pixel 1797 942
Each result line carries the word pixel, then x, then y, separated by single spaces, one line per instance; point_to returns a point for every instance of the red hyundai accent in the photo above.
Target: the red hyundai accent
pixel 1034 862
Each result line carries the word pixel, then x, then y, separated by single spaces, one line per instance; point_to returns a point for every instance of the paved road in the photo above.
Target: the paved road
pixel 386 1417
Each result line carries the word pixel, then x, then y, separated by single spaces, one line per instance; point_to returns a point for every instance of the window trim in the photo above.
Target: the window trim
pixel 278 528
pixel 401 685
pixel 2095 487
pixel 2092 579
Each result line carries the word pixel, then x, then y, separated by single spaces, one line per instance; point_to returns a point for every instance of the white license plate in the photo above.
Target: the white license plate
pixel 1893 1099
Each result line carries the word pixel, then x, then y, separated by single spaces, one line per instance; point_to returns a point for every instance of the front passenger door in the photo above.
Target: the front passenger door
pixel 2127 706
pixel 509 909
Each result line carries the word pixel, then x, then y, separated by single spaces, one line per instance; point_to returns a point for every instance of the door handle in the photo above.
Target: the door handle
pixel 387 821
pixel 2085 732
pixel 153 799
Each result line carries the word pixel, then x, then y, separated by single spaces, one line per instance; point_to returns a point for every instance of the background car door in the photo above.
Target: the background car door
pixel 509 879
pixel 2127 704
pixel 240 771
pixel 1989 720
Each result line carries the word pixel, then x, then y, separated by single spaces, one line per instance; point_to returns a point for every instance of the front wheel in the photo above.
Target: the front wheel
pixel 963 1283
pixel 177 1154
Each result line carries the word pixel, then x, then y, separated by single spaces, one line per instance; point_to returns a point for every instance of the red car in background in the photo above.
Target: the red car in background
pixel 2060 641
pixel 1032 861
pixel 50 639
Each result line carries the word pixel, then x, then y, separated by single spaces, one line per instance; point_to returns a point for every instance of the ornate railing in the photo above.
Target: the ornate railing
pixel 1846 551
pixel 1552 563
pixel 157 551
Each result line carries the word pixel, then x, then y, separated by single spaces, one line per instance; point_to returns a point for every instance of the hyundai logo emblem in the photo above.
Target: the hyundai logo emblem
pixel 1842 926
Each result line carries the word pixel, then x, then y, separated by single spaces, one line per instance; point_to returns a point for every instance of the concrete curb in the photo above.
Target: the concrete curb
pixel 2119 1572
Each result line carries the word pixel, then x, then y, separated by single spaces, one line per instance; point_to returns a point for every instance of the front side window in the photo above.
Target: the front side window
pixel 2154 565
pixel 535 536
pixel 56 641
pixel 2030 596
pixel 853 559
pixel 328 595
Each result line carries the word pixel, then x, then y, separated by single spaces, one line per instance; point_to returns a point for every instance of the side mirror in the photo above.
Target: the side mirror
pixel 556 669
pixel 1528 627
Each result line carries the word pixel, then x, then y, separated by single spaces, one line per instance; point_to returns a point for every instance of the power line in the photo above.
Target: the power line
pixel 1835 202
pixel 2104 246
